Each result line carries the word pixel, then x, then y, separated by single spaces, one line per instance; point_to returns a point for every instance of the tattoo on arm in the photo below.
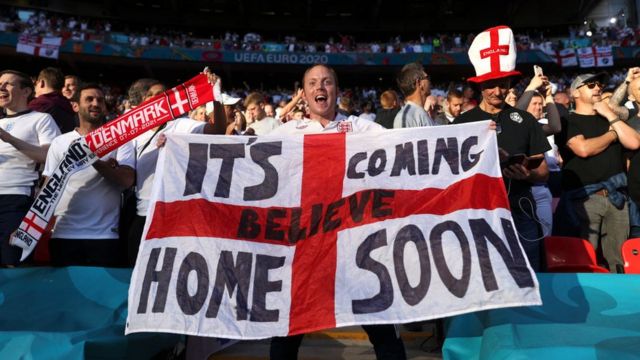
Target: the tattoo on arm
pixel 616 100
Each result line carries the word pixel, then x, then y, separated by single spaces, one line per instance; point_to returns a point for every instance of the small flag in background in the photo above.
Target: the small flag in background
pixel 48 47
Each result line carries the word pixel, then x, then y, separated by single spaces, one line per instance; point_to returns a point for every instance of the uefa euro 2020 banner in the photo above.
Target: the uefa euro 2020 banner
pixel 250 238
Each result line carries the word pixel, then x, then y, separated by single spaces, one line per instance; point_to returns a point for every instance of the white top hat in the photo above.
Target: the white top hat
pixel 493 54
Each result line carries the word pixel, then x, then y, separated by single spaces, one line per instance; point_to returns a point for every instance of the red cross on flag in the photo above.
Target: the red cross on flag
pixel 567 57
pixel 603 55
pixel 39 46
pixel 33 224
pixel 493 54
pixel 251 238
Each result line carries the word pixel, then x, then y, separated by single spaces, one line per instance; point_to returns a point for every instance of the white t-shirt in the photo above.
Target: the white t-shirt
pixel 147 160
pixel 18 173
pixel 264 126
pixel 340 124
pixel 89 207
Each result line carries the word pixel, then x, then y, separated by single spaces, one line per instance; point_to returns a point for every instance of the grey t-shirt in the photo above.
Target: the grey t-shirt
pixel 412 115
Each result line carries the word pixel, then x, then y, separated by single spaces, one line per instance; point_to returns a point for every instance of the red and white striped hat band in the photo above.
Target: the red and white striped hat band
pixel 493 54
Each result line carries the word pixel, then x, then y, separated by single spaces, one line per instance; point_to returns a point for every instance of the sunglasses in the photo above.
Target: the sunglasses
pixel 592 85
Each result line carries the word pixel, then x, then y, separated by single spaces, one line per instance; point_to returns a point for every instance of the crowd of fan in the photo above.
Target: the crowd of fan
pixel 75 108
pixel 46 23
pixel 569 153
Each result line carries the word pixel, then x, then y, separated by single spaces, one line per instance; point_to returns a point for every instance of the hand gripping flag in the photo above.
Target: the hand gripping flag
pixel 88 149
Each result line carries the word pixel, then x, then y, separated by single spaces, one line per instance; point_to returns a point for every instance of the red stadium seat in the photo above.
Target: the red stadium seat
pixel 570 254
pixel 631 256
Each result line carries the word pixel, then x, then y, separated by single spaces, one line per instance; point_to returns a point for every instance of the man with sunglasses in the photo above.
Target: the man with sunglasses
pixel 414 84
pixel 518 131
pixel 593 205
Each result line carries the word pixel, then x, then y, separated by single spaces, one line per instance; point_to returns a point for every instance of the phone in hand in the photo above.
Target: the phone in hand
pixel 514 159
pixel 524 160
pixel 533 163
pixel 537 70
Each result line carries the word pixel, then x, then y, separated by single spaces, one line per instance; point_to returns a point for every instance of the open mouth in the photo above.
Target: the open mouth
pixel 321 99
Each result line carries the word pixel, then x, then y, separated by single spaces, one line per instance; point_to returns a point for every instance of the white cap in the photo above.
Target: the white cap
pixel 229 100
pixel 208 107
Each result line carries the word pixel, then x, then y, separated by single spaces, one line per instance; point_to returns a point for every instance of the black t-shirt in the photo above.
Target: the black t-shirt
pixel 385 117
pixel 633 177
pixel 518 133
pixel 578 172
pixel 563 111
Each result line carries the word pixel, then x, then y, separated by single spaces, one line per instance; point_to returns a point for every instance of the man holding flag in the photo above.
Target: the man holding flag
pixel 320 86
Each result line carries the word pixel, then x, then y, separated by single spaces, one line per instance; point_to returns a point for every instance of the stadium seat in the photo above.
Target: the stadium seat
pixel 570 254
pixel 631 256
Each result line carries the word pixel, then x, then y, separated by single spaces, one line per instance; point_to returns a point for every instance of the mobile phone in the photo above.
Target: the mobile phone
pixel 533 163
pixel 514 159
pixel 537 70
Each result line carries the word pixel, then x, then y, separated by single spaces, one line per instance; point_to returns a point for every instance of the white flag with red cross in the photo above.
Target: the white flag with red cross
pixel 251 238
pixel 567 57
pixel 48 47
pixel 603 56
pixel 586 57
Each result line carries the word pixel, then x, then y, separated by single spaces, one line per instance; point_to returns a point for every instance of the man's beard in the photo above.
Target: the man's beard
pixel 95 120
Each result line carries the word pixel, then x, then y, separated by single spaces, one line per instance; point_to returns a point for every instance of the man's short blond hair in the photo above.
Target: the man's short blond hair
pixel 254 98
pixel 388 99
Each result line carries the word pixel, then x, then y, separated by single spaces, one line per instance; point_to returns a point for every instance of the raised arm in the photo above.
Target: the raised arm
pixel 620 95
pixel 292 104
pixel 619 131
pixel 219 125
pixel 37 153
pixel 628 136
pixel 554 124
pixel 525 99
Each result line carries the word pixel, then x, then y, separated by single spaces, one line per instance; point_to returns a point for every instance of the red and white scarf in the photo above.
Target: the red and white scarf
pixel 88 149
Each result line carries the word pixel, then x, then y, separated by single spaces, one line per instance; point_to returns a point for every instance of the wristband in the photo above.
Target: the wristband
pixel 616 133
pixel 614 121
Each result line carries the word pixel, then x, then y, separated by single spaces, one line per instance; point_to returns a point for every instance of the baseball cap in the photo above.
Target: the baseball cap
pixel 229 100
pixel 587 78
